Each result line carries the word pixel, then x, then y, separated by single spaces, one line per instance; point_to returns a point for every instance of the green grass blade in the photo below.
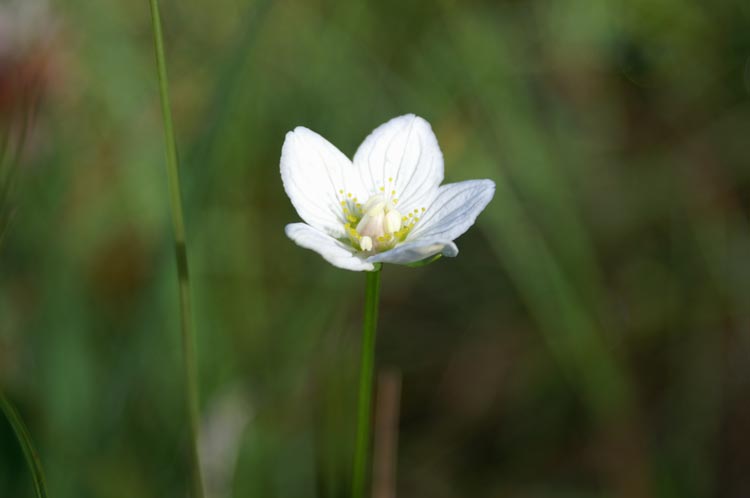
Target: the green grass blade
pixel 175 197
pixel 24 440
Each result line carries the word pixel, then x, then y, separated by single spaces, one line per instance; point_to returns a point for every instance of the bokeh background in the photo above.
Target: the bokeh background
pixel 591 339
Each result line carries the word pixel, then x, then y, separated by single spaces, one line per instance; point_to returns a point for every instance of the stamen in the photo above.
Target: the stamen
pixel 375 225
pixel 365 243
pixel 392 222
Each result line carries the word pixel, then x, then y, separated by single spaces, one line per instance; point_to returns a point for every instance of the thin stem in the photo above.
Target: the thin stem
pixel 24 439
pixel 175 197
pixel 364 409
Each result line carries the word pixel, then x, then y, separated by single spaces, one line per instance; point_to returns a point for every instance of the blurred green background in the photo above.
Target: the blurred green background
pixel 591 339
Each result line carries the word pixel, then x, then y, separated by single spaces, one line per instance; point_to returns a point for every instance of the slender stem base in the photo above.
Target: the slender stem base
pixel 175 202
pixel 364 408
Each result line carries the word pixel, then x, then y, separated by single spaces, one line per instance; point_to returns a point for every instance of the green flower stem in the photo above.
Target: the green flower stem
pixel 175 198
pixel 364 410
pixel 24 439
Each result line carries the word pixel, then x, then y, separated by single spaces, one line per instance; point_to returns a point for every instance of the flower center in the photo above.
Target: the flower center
pixel 377 225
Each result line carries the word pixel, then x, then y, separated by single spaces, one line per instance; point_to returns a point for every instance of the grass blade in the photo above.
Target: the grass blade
pixel 175 198
pixel 24 440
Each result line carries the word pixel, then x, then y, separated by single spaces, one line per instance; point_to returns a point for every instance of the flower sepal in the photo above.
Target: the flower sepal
pixel 426 261
pixel 376 267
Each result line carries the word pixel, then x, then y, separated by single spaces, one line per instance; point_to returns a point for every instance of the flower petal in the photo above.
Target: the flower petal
pixel 454 210
pixel 402 155
pixel 332 250
pixel 314 173
pixel 411 252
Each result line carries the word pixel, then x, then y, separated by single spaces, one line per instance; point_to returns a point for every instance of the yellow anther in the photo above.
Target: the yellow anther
pixel 390 179
pixel 410 215
pixel 352 232
pixel 343 203
pixel 349 195
pixel 393 192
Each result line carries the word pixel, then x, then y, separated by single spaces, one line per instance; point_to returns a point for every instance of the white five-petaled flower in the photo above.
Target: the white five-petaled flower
pixel 387 206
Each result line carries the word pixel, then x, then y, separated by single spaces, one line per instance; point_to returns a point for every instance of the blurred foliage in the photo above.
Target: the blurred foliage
pixel 590 339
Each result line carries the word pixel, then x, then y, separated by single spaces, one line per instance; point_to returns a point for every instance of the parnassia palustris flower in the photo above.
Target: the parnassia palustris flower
pixel 386 206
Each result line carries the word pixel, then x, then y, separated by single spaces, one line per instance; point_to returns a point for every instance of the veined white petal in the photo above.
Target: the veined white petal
pixel 454 210
pixel 314 173
pixel 332 250
pixel 411 252
pixel 402 155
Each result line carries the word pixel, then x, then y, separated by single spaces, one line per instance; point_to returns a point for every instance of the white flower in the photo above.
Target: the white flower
pixel 387 206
